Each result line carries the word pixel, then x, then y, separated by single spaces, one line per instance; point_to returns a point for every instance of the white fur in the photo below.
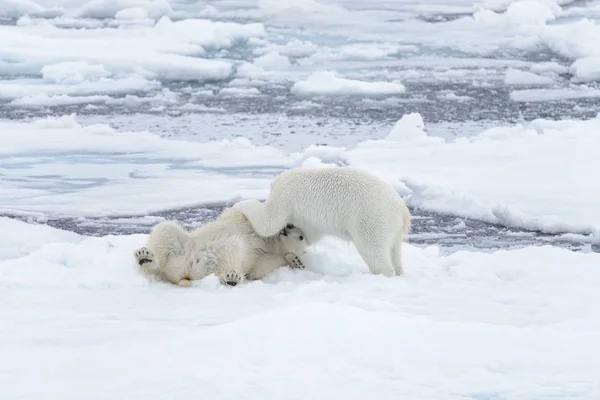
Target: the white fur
pixel 344 202
pixel 227 247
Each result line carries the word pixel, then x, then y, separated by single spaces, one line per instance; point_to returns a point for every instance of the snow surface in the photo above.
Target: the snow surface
pixel 82 322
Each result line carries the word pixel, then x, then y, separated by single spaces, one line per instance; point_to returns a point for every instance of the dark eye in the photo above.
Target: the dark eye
pixel 301 237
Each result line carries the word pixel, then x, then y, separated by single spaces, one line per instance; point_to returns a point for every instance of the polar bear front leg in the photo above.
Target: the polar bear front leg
pixel 294 261
pixel 270 262
pixel 266 264
pixel 266 220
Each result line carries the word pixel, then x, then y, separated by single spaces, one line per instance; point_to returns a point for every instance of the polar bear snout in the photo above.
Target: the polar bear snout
pixel 285 231
pixel 293 240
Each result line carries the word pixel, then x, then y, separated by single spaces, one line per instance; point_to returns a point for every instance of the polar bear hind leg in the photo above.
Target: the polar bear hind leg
pixel 396 254
pixel 147 260
pixel 377 258
pixel 400 237
pixel 375 248
pixel 164 252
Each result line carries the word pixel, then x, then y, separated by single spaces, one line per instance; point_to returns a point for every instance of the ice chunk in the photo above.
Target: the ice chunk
pixel 132 13
pixel 12 89
pixel 253 71
pixel 235 91
pixel 549 67
pixel 272 60
pixel 170 50
pixel 509 185
pixel 73 72
pixel 110 8
pixel 553 94
pixel 586 69
pixel 515 77
pixel 19 8
pixel 201 108
pixel 43 99
pixel 327 83
pixel 596 236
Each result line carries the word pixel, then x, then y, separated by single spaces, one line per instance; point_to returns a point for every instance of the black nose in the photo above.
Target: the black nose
pixel 289 226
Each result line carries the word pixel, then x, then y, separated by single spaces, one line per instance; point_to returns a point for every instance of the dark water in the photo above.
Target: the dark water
pixel 449 232
pixel 483 103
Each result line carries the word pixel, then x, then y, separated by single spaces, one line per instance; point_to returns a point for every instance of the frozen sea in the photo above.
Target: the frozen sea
pixel 118 114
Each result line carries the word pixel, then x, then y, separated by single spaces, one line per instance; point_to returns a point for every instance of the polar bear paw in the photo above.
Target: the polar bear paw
pixel 294 261
pixel 143 256
pixel 232 278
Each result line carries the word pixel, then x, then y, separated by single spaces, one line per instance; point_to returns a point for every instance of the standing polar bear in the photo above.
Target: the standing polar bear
pixel 227 247
pixel 341 201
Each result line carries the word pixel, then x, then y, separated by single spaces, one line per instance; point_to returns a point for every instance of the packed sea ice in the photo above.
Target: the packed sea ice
pixel 517 323
pixel 80 321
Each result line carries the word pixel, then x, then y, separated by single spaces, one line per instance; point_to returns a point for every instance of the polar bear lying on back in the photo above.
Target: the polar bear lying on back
pixel 341 201
pixel 227 247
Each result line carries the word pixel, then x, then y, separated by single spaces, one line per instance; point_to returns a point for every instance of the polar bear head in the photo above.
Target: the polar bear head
pixel 293 240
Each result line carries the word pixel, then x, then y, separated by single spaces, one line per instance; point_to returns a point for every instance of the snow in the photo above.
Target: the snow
pixel 78 308
pixel 327 83
pixel 20 239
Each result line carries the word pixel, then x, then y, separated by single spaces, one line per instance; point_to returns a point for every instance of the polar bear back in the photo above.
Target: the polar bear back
pixel 334 200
